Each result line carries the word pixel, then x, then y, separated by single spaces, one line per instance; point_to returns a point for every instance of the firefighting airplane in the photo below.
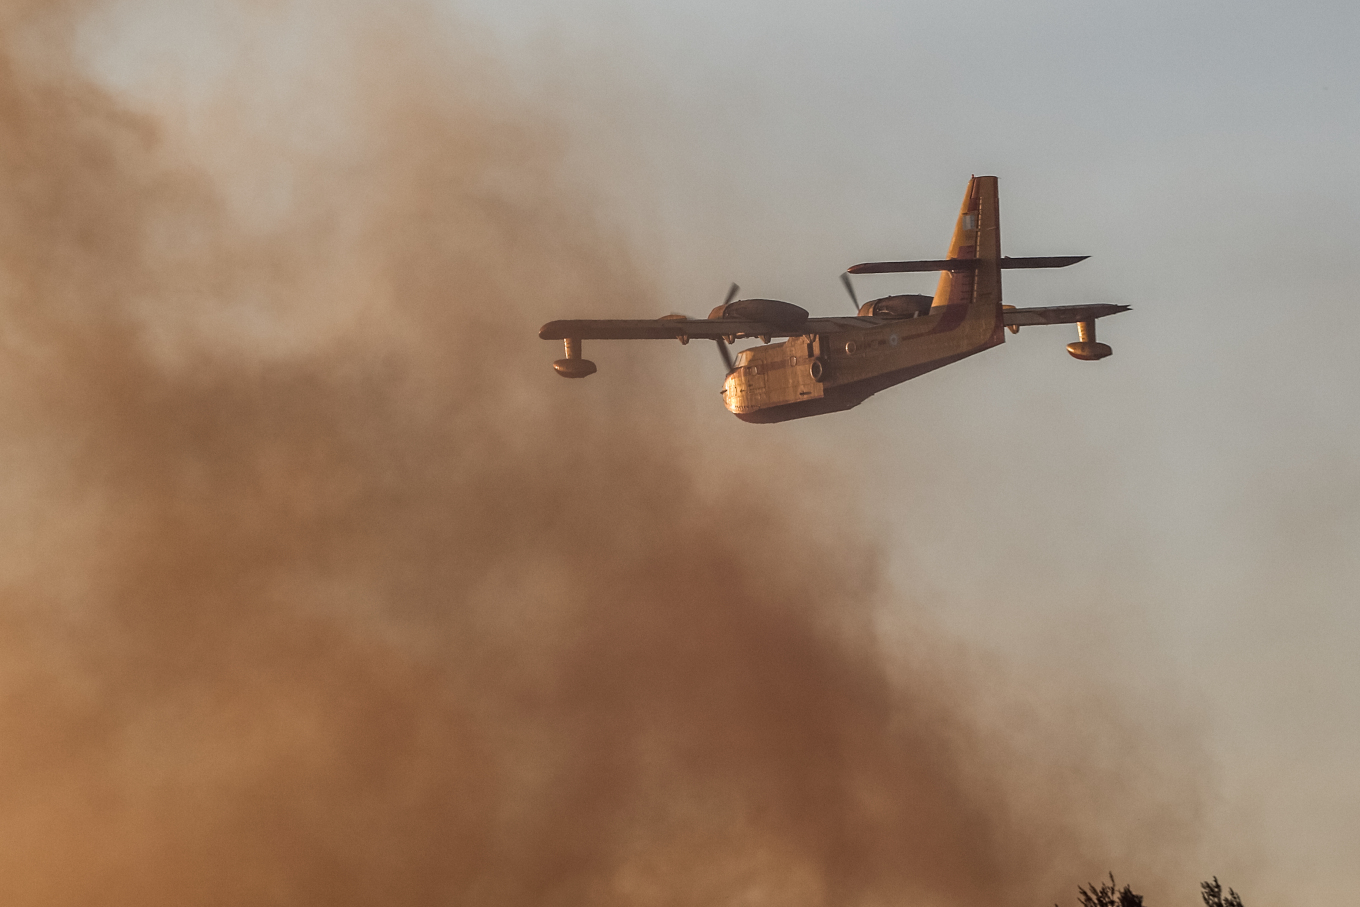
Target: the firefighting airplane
pixel 832 364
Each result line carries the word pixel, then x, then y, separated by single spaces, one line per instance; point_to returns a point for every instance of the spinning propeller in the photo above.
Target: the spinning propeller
pixel 850 288
pixel 722 344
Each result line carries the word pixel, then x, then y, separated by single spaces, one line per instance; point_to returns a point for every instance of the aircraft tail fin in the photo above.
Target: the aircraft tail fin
pixel 977 237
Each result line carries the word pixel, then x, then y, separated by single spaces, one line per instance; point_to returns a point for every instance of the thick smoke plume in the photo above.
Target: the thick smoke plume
pixel 320 589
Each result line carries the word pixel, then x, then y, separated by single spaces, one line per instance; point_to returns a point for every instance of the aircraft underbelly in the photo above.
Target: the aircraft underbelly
pixel 811 375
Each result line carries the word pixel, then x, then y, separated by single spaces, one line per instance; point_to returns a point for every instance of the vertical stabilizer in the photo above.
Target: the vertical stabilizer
pixel 977 235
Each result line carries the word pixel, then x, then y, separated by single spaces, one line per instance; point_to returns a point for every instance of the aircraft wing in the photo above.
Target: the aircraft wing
pixel 1060 314
pixel 695 328
pixel 717 328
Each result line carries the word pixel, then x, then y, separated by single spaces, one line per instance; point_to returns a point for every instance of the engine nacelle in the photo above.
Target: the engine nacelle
pixel 910 305
pixel 784 315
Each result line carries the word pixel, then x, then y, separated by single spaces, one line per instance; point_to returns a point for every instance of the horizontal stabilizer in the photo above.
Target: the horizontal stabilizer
pixel 896 267
pixel 1042 261
pixel 963 264
pixel 1060 314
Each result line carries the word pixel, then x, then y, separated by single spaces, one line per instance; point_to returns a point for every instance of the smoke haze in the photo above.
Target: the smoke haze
pixel 320 588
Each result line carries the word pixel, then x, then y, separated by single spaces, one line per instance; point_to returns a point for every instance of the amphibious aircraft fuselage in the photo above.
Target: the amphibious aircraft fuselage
pixel 823 373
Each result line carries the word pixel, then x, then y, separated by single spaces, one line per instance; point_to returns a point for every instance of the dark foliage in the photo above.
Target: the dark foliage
pixel 1212 892
pixel 1109 894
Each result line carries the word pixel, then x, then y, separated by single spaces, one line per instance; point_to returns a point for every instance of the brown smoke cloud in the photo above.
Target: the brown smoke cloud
pixel 320 588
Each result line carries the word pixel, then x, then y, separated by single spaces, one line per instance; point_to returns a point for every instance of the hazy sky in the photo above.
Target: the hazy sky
pixel 1184 517
pixel 1181 521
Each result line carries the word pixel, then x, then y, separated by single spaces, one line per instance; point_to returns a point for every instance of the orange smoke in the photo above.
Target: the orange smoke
pixel 320 588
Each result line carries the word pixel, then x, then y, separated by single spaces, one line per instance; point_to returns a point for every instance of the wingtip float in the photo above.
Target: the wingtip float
pixel 835 363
